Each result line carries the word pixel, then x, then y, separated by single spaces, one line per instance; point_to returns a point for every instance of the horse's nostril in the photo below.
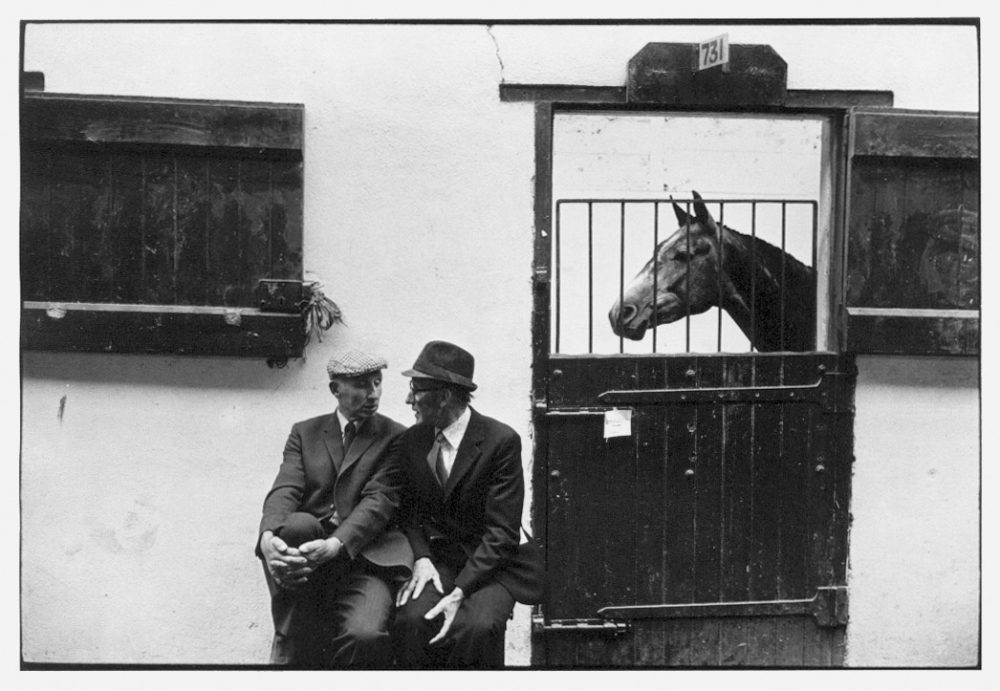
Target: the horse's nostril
pixel 628 312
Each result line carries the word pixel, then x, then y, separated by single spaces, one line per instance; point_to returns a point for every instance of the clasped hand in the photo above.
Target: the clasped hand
pixel 424 572
pixel 290 567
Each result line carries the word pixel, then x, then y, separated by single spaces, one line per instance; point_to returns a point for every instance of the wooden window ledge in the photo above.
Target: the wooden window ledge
pixel 173 329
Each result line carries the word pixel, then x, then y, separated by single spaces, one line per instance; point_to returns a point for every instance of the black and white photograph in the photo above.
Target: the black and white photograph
pixel 488 341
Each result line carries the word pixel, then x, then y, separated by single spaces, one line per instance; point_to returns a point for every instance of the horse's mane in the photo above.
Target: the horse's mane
pixel 775 321
pixel 772 256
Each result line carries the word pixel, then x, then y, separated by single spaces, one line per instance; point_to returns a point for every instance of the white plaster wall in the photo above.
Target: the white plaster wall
pixel 914 549
pixel 139 505
pixel 140 508
pixel 925 66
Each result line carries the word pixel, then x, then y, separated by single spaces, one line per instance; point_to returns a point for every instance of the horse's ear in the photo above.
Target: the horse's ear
pixel 683 217
pixel 701 212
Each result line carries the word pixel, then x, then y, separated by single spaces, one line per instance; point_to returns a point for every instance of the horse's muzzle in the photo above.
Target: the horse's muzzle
pixel 629 321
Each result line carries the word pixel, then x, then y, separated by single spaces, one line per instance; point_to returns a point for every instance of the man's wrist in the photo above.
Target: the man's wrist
pixel 265 539
pixel 336 547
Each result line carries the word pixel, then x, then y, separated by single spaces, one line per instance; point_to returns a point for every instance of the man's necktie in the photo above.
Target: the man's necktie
pixel 439 468
pixel 350 431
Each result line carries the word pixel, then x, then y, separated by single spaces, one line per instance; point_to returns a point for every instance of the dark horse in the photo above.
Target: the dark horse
pixel 745 278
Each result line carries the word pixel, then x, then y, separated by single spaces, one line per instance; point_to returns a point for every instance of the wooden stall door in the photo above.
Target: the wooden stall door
pixel 716 532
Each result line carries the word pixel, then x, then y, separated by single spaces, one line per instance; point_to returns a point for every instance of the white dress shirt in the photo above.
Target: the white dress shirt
pixel 453 434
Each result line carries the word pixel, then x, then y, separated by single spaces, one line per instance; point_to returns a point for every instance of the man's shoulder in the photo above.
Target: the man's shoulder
pixel 387 425
pixel 417 433
pixel 492 426
pixel 318 421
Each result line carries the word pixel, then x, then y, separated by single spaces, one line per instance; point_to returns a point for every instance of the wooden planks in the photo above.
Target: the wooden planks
pixel 663 73
pixel 147 201
pixel 189 331
pixel 914 236
pixel 913 232
pixel 751 642
pixel 739 476
pixel 36 237
pixel 705 502
pixel 915 133
pixel 708 463
pixel 157 229
pixel 84 119
pixel 906 335
pixel 679 502
pixel 591 95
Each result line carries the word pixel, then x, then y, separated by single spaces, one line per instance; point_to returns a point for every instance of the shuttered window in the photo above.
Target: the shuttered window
pixel 147 224
pixel 913 259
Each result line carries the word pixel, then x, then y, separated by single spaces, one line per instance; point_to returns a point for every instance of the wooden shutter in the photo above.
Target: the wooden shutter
pixel 912 283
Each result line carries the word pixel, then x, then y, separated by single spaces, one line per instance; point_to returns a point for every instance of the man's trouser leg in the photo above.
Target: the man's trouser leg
pixel 475 640
pixel 294 612
pixel 360 610
pixel 339 619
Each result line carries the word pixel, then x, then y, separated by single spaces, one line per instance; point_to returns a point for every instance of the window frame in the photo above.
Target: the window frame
pixel 105 125
pixel 915 141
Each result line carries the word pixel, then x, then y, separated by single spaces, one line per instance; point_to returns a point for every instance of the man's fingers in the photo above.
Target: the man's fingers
pixel 419 588
pixel 434 611
pixel 437 582
pixel 404 593
pixel 281 572
pixel 443 632
pixel 311 546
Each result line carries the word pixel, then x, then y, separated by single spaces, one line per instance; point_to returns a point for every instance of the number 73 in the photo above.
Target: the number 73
pixel 711 52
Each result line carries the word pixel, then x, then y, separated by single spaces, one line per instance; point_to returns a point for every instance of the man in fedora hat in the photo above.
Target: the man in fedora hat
pixel 461 512
pixel 329 561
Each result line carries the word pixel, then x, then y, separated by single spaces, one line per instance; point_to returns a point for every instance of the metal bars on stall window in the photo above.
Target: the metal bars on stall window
pixel 583 251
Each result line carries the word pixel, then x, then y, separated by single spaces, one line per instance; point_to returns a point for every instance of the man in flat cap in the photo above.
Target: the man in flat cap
pixel 331 564
pixel 461 511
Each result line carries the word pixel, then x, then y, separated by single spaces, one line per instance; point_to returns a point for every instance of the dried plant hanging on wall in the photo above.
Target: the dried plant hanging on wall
pixel 319 312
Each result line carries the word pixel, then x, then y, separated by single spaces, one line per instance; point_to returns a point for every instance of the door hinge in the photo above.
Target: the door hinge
pixel 830 391
pixel 828 607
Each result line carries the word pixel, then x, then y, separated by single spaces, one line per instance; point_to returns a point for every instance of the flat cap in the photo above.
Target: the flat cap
pixel 353 363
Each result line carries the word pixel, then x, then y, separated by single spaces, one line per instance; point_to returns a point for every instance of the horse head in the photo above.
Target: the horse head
pixel 680 279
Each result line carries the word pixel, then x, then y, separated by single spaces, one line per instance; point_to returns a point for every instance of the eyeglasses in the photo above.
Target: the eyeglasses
pixel 422 389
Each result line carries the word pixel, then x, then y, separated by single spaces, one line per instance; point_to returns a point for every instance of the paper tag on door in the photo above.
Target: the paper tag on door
pixel 617 423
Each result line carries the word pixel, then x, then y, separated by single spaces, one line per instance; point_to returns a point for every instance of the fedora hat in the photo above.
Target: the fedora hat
pixel 445 362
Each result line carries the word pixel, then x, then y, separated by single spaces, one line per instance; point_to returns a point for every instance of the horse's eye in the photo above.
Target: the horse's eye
pixel 681 256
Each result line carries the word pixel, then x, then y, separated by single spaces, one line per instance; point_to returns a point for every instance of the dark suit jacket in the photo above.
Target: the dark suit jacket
pixel 364 492
pixel 479 509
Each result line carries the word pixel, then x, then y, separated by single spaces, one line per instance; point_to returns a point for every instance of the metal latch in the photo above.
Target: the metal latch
pixel 279 295
pixel 605 627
